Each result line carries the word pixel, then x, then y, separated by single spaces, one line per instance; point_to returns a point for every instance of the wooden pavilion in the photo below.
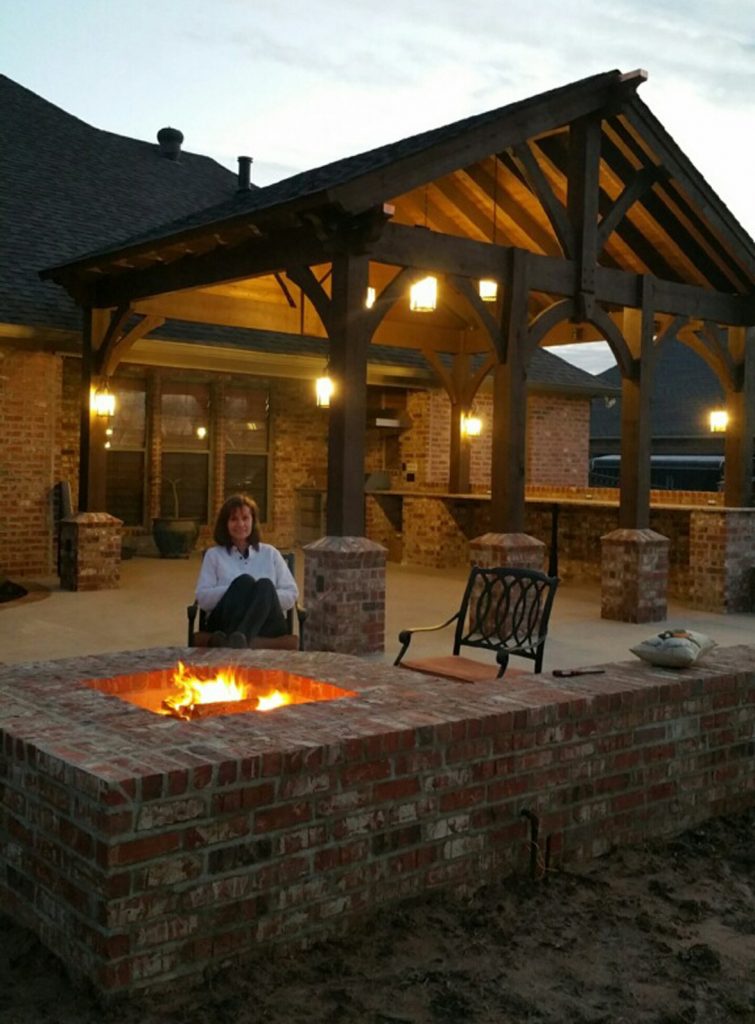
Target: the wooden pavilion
pixel 576 209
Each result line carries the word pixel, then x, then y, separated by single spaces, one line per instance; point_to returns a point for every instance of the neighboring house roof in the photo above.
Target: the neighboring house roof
pixel 685 389
pixel 547 372
pixel 66 187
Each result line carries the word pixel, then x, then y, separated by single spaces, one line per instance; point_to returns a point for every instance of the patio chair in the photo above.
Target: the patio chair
pixel 200 637
pixel 503 610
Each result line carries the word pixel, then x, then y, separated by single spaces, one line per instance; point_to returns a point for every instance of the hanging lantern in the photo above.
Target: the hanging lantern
pixel 718 420
pixel 323 391
pixel 423 295
pixel 488 289
pixel 102 402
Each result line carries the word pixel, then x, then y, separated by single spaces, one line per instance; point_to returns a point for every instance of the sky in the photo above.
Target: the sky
pixel 297 83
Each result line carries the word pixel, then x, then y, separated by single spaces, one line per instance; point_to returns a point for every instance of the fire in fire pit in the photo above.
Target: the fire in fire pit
pixel 196 692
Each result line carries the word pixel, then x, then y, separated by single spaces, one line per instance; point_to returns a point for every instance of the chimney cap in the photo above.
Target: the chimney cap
pixel 169 140
pixel 245 175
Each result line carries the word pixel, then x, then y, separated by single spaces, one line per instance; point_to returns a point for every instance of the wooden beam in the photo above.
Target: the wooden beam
pixel 507 202
pixel 92 463
pixel 115 348
pixel 641 182
pixel 583 186
pixel 740 405
pixel 634 483
pixel 508 460
pixel 349 341
pixel 552 206
pixel 726 227
pixel 266 255
pixel 492 134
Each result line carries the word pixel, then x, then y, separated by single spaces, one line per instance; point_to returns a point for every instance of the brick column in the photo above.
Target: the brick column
pixel 344 594
pixel 514 550
pixel 634 575
pixel 90 552
pixel 722 560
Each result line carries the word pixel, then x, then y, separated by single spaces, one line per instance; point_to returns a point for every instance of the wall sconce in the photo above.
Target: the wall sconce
pixel 201 433
pixel 718 420
pixel 323 391
pixel 102 402
pixel 371 296
pixel 488 289
pixel 471 426
pixel 423 295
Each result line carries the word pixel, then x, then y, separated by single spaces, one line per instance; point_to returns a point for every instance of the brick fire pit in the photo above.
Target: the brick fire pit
pixel 144 849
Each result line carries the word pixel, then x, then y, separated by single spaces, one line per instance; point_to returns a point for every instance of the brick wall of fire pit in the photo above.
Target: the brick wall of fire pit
pixel 146 849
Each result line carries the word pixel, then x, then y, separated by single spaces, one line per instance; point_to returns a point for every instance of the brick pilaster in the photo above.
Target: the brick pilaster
pixel 634 575
pixel 344 594
pixel 514 550
pixel 90 552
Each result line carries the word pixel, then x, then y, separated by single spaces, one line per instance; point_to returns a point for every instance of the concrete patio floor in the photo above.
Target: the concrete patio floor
pixel 149 610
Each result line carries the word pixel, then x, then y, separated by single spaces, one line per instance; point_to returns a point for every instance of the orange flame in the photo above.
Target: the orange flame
pixel 190 689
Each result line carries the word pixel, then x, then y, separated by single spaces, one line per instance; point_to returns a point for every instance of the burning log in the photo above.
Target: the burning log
pixel 196 712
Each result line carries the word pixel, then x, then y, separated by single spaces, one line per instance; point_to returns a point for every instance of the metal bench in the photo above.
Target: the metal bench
pixel 503 610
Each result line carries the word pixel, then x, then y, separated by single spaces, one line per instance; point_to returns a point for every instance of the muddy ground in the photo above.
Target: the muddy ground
pixel 662 934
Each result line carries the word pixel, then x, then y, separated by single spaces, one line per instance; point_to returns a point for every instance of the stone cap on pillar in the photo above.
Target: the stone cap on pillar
pixel 628 536
pixel 505 540
pixel 344 545
pixel 93 519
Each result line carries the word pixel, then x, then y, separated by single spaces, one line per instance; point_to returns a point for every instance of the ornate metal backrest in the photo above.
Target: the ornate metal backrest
pixel 506 609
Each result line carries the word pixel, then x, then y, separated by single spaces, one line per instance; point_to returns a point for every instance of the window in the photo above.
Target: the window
pixel 125 457
pixel 246 425
pixel 185 471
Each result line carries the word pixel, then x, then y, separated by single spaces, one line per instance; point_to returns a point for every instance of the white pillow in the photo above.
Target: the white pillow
pixel 674 648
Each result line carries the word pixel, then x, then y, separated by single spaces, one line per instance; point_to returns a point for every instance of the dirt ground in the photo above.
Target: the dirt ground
pixel 662 934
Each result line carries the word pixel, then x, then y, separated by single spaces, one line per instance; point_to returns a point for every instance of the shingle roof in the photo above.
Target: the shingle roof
pixel 339 172
pixel 685 389
pixel 66 188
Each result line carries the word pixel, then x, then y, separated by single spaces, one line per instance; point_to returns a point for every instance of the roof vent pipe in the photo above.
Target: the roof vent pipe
pixel 169 140
pixel 245 173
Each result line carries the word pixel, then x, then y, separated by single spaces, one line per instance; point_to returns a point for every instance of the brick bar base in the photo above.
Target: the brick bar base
pixel 90 552
pixel 344 594
pixel 634 576
pixel 722 560
pixel 515 550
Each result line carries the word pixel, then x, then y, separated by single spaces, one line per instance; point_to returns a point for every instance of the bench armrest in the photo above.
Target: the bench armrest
pixel 405 636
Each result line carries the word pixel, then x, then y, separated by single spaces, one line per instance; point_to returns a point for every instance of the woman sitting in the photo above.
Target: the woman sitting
pixel 244 585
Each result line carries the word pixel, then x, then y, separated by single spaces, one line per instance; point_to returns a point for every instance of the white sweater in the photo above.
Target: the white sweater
pixel 221 567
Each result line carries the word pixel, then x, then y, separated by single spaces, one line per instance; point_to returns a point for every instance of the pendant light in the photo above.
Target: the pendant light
pixel 488 288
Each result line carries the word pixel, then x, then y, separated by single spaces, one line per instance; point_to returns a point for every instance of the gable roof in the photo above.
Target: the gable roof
pixel 66 187
pixel 675 226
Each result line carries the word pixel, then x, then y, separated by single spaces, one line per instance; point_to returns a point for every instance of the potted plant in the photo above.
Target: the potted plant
pixel 175 536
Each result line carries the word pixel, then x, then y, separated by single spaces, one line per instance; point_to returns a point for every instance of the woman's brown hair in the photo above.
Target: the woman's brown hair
pixel 220 533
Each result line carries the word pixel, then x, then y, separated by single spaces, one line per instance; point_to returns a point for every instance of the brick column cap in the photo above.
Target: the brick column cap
pixel 627 536
pixel 93 519
pixel 345 545
pixel 506 540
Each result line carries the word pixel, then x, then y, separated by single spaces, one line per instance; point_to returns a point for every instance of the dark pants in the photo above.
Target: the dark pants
pixel 250 607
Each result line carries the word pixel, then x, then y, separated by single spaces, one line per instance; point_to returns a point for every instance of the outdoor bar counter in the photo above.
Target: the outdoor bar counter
pixel 711 554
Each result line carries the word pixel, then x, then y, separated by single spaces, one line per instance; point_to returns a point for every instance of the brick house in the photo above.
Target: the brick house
pixel 212 408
